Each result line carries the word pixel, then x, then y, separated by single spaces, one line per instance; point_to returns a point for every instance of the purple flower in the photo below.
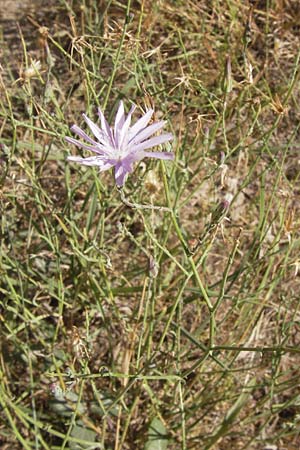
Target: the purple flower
pixel 120 147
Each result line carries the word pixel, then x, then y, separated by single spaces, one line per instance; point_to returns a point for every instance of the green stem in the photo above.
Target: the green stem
pixel 116 62
pixel 184 244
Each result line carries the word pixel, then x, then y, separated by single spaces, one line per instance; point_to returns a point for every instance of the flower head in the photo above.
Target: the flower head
pixel 121 146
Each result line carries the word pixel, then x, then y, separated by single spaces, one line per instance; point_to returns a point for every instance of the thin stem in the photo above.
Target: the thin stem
pixel 138 205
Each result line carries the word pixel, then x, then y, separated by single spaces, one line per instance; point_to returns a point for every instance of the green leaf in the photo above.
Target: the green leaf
pixel 157 436
pixel 232 414
pixel 80 432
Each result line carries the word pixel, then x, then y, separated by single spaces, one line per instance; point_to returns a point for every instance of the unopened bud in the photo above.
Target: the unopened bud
pixel 227 80
pixel 220 211
pixel 32 71
pixel 249 70
pixel 153 267
pixel 151 182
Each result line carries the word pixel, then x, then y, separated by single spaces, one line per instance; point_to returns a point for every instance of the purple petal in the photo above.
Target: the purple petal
pixel 91 161
pixel 94 128
pixel 79 144
pixel 152 142
pixel 146 132
pixel 123 134
pixel 82 134
pixel 120 174
pixel 131 110
pixel 127 164
pixel 122 168
pixel 120 116
pixel 106 128
pixel 159 155
pixel 141 123
pixel 119 122
pixel 106 166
